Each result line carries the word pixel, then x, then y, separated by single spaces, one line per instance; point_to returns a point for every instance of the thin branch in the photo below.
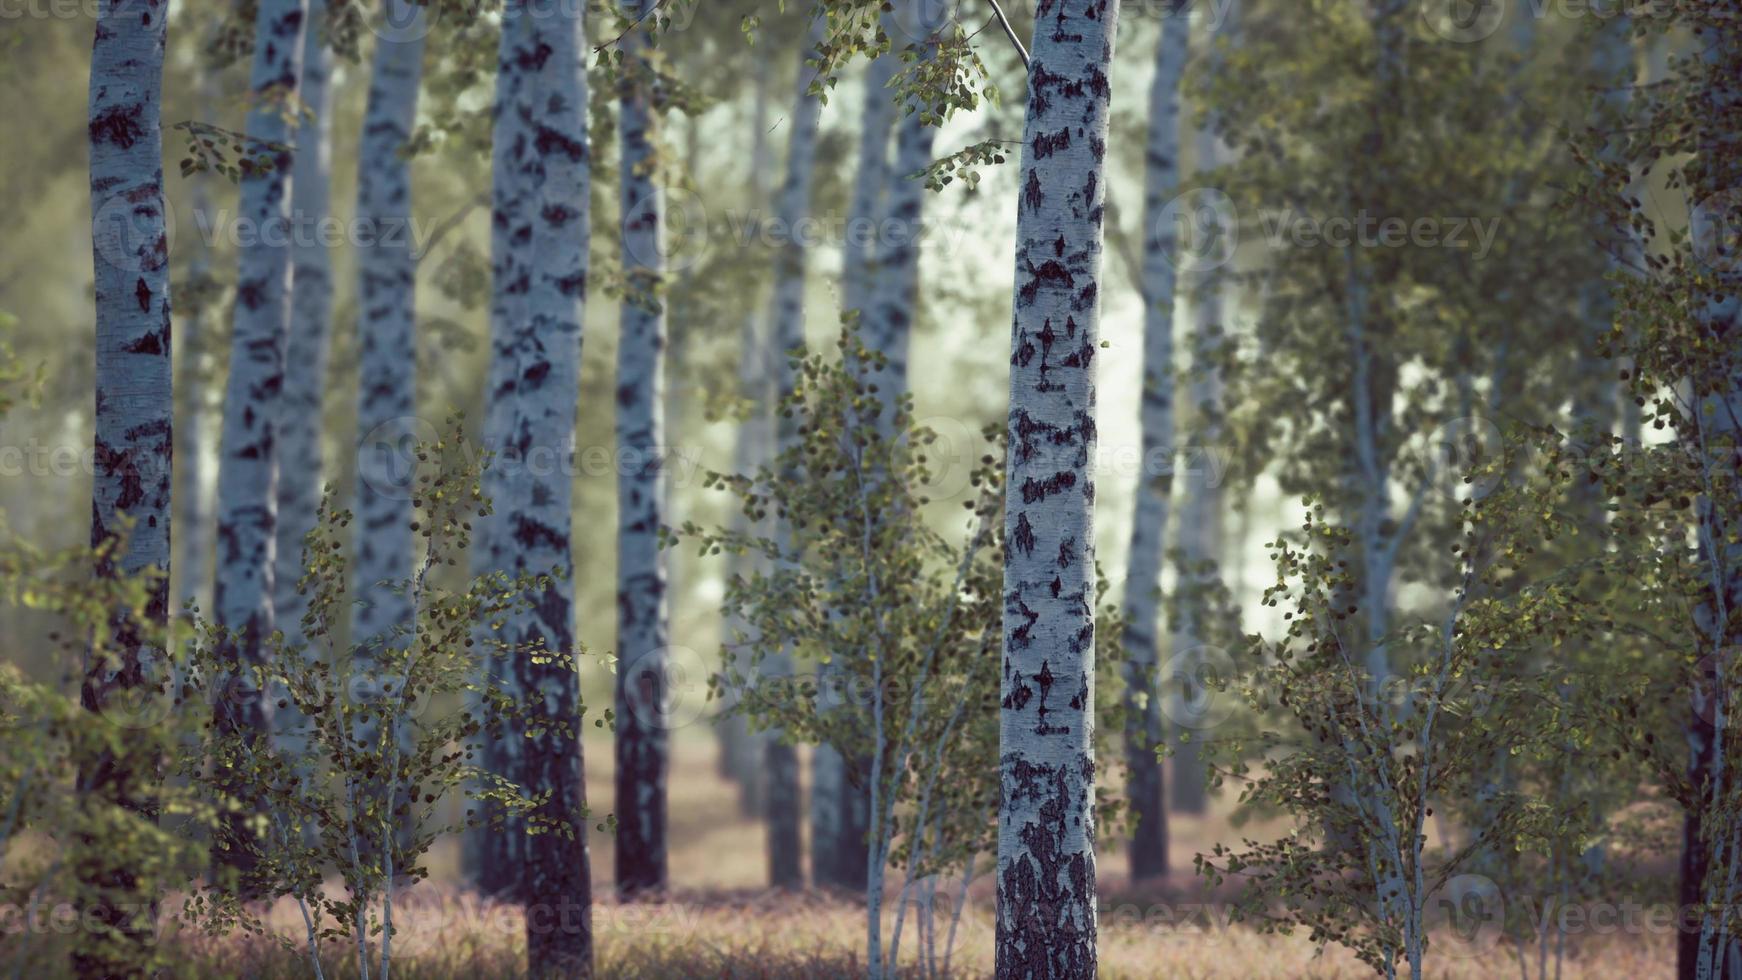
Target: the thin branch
pixel 613 42
pixel 448 224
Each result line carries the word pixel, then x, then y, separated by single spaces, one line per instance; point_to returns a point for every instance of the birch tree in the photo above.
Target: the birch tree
pixel 743 748
pixel 242 598
pixel 1046 857
pixel 311 311
pixel 1711 430
pixel 894 298
pixel 130 488
pixel 383 552
pixel 545 262
pixel 1143 732
pixel 497 848
pixel 1199 544
pixel 643 620
pixel 786 318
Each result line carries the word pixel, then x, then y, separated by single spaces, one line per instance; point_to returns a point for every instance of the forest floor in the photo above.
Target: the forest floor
pixel 720 922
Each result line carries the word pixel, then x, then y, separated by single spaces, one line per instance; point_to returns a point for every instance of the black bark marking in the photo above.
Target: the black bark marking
pixel 1023 539
pixel 118 125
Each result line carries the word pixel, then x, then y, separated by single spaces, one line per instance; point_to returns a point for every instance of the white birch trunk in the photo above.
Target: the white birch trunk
pixel 785 843
pixel 1143 731
pixel 242 597
pixel 744 749
pixel 387 338
pixel 895 296
pixel 1199 540
pixel 299 433
pixel 133 434
pixel 1046 823
pixel 547 259
pixel 305 369
pixel 495 851
pixel 643 621
pixel 387 432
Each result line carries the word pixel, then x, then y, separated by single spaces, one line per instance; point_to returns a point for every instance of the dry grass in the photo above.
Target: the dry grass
pixel 719 923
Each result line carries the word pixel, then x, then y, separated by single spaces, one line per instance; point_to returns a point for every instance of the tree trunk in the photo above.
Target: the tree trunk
pixel 785 843
pixel 895 298
pixel 1143 731
pixel 643 626
pixel 1712 831
pixel 387 336
pixel 242 597
pixel 305 373
pixel 387 429
pixel 1046 853
pixel 839 803
pixel 299 433
pixel 496 849
pixel 193 430
pixel 547 260
pixel 742 749
pixel 133 450
pixel 1200 528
